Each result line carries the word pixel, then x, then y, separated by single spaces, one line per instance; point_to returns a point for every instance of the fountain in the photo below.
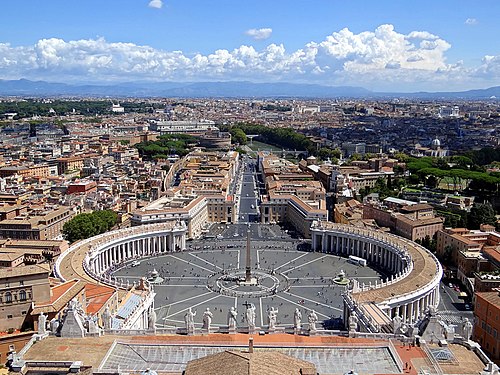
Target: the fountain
pixel 154 277
pixel 341 279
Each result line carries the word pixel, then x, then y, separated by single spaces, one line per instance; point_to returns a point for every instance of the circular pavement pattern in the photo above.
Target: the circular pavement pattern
pixel 209 274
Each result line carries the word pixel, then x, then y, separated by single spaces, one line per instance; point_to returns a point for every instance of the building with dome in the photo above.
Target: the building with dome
pixel 435 150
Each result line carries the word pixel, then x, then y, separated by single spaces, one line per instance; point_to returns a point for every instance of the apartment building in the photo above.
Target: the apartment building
pixel 487 323
pixel 69 164
pixel 202 196
pixel 474 253
pixel 292 195
pixel 182 127
pixel 20 287
pixel 195 210
pixel 37 170
pixel 413 221
pixel 33 251
pixel 45 225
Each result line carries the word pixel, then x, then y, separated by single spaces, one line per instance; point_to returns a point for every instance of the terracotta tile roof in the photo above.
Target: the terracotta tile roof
pixel 242 363
pixel 417 207
pixel 492 252
pixel 61 295
pixel 97 296
pixel 8 257
pixel 491 297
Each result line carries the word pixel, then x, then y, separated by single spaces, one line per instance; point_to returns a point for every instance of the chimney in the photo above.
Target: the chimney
pixel 250 345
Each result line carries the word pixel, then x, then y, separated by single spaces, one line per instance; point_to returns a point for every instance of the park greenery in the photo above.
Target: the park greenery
pixel 165 145
pixel 466 173
pixel 384 188
pixel 86 225
pixel 31 107
pixel 35 107
pixel 458 172
pixel 286 138
pixel 480 213
pixel 238 136
pixel 281 137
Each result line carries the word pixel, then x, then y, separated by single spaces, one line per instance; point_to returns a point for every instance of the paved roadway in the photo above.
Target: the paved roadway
pixel 452 308
pixel 248 194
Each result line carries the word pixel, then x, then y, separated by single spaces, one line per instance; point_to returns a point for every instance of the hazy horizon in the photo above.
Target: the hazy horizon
pixel 383 46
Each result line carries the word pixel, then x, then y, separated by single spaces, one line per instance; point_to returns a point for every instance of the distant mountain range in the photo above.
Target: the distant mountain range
pixel 24 87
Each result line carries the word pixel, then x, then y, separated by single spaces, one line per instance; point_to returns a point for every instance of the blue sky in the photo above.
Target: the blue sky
pixel 380 45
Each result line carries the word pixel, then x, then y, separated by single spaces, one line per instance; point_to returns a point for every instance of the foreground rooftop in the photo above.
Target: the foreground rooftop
pixel 169 354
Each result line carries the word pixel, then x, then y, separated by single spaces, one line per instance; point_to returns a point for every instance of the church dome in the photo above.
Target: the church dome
pixel 436 143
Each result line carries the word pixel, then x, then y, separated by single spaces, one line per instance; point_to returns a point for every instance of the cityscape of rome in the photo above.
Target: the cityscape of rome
pixel 184 197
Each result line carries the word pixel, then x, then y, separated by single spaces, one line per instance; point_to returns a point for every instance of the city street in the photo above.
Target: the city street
pixel 452 308
pixel 248 192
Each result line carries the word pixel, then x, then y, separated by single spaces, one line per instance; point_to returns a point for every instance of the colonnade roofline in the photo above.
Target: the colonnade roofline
pixel 70 263
pixel 425 274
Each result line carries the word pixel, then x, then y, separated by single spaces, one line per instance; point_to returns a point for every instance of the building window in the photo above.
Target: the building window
pixel 21 283
pixel 8 297
pixel 22 295
pixel 9 316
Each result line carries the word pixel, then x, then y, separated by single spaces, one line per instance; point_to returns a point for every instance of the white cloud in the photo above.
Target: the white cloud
pixel 381 59
pixel 260 34
pixel 155 4
pixel 471 21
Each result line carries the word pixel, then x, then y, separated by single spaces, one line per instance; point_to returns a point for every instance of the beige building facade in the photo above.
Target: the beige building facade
pixel 20 287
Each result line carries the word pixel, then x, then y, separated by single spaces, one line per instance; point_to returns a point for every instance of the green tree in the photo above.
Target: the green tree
pixel 402 157
pixel 355 157
pixel 482 213
pixel 368 156
pixel 89 224
pixel 108 217
pixel 168 144
pixel 238 136
pixel 79 227
pixel 463 162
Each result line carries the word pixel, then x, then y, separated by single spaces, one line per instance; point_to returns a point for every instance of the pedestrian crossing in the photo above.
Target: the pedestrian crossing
pixel 455 317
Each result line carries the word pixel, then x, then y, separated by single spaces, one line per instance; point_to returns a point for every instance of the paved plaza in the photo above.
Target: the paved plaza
pixel 209 273
pixel 288 279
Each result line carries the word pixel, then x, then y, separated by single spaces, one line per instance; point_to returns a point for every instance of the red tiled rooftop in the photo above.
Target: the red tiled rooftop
pixel 97 296
pixel 57 291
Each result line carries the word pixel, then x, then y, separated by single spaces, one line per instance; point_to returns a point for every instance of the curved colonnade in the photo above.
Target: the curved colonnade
pixel 94 258
pixel 411 288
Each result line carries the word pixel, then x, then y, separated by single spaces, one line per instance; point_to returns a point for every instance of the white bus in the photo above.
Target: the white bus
pixel 357 260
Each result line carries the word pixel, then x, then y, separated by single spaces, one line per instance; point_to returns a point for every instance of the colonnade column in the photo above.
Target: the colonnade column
pixel 171 242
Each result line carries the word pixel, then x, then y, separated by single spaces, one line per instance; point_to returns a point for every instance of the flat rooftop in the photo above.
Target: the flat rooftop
pixel 168 354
